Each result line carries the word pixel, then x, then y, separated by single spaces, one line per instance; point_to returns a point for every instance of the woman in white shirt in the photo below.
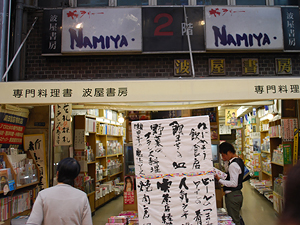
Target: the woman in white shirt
pixel 62 204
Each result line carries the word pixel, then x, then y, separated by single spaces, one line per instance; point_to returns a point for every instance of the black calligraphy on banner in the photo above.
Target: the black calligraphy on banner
pixel 174 172
pixel 62 125
pixel 35 144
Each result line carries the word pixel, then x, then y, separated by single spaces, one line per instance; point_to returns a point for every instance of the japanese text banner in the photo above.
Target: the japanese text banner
pixel 173 164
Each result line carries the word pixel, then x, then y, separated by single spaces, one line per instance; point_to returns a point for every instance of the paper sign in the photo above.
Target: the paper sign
pixel 174 171
pixel 35 144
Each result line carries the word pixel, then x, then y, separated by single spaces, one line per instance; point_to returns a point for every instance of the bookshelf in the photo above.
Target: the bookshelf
pixel 102 139
pixel 10 200
pixel 281 133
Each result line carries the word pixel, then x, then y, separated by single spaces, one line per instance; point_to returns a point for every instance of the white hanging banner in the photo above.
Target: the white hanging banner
pixel 174 171
pixel 62 125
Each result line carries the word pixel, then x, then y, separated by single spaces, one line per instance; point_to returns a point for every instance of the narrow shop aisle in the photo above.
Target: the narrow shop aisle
pixel 112 208
pixel 256 209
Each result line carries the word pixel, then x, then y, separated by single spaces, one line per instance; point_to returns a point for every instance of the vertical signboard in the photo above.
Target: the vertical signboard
pixel 35 144
pixel 164 29
pixel 62 125
pixel 243 28
pixel 291 27
pixel 174 171
pixel 101 30
pixel 52 22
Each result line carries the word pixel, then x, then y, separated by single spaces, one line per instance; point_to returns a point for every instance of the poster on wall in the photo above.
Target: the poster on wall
pixel 243 28
pixel 129 190
pixel 62 125
pixel 35 144
pixel 256 145
pixel 101 30
pixel 12 126
pixel 174 171
pixel 230 117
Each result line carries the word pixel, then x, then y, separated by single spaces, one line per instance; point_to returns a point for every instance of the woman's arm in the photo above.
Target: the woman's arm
pixel 37 215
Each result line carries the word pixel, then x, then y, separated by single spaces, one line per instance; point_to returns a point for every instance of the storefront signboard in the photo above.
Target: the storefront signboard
pixel 152 90
pixel 291 27
pixel 52 22
pixel 164 29
pixel 174 171
pixel 89 30
pixel 243 28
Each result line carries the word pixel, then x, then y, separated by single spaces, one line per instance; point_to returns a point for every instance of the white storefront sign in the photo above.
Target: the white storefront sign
pixel 243 28
pixel 101 30
pixel 121 91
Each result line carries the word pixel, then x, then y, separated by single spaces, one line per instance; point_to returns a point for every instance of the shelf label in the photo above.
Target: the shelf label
pixel 287 153
pixel 296 145
pixel 79 139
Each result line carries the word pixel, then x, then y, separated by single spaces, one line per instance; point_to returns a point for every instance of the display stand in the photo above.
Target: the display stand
pixel 27 187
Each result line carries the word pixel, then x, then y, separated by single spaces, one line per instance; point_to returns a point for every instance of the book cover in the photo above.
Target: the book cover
pixel 4 174
pixel 221 174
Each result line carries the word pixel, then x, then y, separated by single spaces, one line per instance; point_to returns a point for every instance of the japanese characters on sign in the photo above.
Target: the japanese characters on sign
pixel 236 28
pixel 67 92
pixel 291 27
pixel 62 125
pixel 273 89
pixel 173 163
pixel 35 144
pixel 250 66
pixel 232 88
pixel 182 67
pixel 101 30
pixel 165 30
pixel 12 128
pixel 217 67
pixel 283 66
pixel 52 22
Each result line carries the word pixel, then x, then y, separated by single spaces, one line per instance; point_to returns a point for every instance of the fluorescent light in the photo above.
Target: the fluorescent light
pixel 241 110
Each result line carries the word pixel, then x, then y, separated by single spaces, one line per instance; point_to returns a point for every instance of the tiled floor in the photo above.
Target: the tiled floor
pixel 256 209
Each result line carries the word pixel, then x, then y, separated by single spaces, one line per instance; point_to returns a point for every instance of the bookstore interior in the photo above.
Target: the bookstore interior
pixel 35 138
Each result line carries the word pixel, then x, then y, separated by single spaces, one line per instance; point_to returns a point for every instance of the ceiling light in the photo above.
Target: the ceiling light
pixel 241 110
pixel 120 118
pixel 270 116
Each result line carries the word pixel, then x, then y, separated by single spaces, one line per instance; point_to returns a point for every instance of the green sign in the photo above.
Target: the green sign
pixel 287 153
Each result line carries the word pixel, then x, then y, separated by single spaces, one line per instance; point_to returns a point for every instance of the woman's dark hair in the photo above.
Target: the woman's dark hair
pixel 226 147
pixel 290 213
pixel 68 169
